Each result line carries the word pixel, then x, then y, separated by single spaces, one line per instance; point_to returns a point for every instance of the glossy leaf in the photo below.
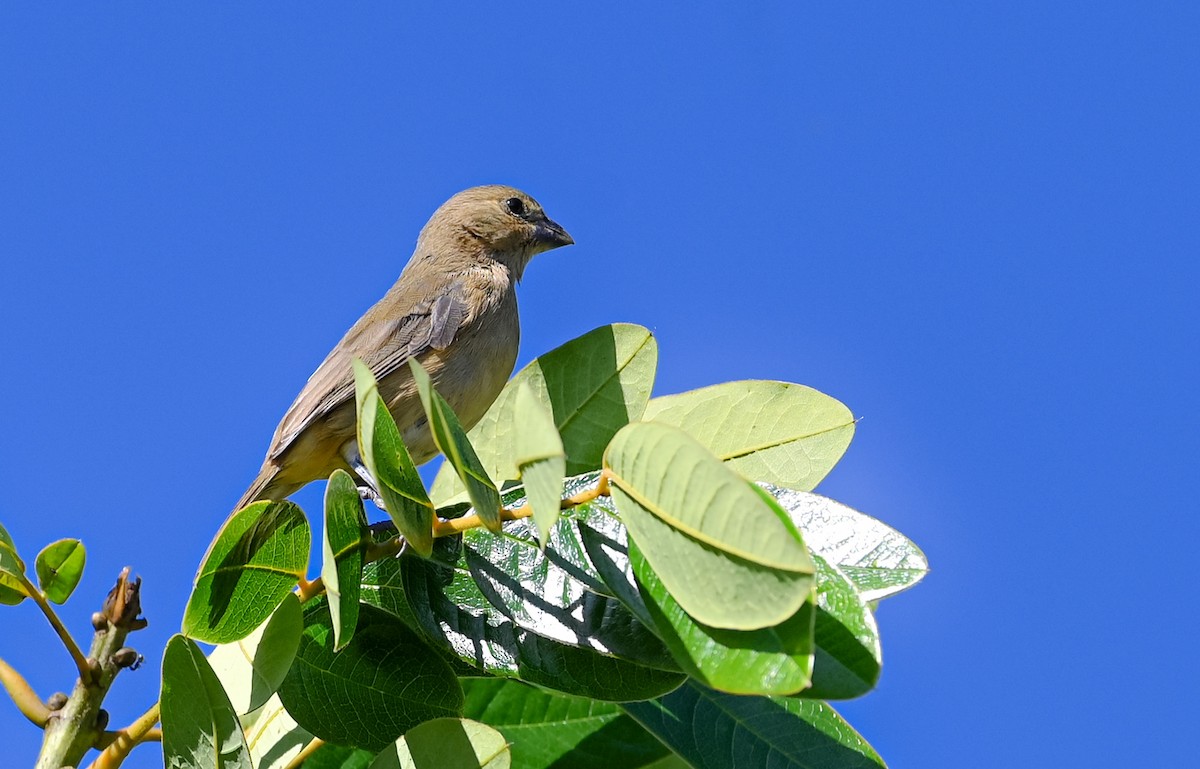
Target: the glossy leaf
pixel 452 441
pixel 383 683
pixel 724 550
pixel 59 568
pixel 447 743
pixel 12 572
pixel 259 555
pixel 879 560
pixel 778 432
pixel 545 729
pixel 387 459
pixel 712 730
pixel 540 458
pixel 504 607
pixel 251 669
pixel 199 727
pixel 774 660
pixel 593 385
pixel 342 548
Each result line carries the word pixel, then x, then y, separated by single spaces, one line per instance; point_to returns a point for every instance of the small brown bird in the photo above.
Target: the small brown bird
pixel 454 309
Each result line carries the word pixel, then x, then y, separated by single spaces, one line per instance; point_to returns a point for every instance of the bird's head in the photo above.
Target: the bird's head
pixel 501 221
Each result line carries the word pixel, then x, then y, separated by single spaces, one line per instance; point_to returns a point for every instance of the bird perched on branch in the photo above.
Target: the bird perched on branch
pixel 454 309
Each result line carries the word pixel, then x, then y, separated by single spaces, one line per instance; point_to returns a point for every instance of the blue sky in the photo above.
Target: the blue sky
pixel 975 224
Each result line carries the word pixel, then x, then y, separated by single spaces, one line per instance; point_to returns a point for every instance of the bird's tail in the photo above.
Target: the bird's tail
pixel 266 486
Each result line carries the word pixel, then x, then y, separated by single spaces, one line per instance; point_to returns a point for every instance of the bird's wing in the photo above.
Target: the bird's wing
pixel 384 346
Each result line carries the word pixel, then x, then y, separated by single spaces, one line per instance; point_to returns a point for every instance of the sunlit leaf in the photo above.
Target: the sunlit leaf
pixel 879 560
pixel 447 743
pixel 722 547
pixel 258 556
pixel 252 669
pixel 773 660
pixel 12 570
pixel 538 451
pixel 778 432
pixel 59 568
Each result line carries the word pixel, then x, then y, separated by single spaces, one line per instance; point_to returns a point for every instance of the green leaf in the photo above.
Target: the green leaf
pixel 256 559
pixel 273 736
pixel 251 669
pixel 452 441
pixel 383 683
pixel 447 743
pixel 383 452
pixel 879 560
pixel 711 730
pixel 504 607
pixel 59 567
pixel 774 660
pixel 722 547
pixel 546 730
pixel 540 458
pixel 342 548
pixel 593 385
pixel 200 729
pixel 779 432
pixel 848 656
pixel 12 572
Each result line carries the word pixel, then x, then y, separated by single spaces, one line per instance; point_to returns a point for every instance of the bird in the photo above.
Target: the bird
pixel 453 309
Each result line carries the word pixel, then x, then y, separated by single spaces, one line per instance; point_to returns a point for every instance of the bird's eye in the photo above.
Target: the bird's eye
pixel 515 206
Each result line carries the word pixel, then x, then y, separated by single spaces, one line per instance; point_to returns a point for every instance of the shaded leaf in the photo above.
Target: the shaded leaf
pixel 778 432
pixel 383 452
pixel 258 556
pixel 59 568
pixel 546 729
pixel 540 458
pixel 251 669
pixel 383 683
pixel 447 743
pixel 200 729
pixel 711 730
pixel 593 385
pixel 722 547
pixel 452 441
pixel 342 553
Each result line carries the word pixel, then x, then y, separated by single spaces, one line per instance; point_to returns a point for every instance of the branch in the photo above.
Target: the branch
pixel 79 726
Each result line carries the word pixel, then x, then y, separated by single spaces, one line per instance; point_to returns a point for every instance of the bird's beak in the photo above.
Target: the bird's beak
pixel 550 233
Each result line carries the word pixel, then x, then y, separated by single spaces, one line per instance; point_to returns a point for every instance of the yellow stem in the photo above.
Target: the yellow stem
pixel 85 670
pixel 141 730
pixel 23 695
pixel 305 754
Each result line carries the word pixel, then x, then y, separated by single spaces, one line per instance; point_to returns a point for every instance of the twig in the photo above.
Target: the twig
pixel 26 700
pixel 305 754
pixel 85 672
